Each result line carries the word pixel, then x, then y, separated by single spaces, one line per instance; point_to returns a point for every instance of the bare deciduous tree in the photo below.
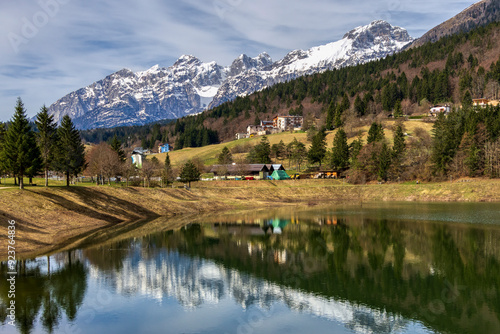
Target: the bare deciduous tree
pixel 148 170
pixel 128 170
pixel 103 162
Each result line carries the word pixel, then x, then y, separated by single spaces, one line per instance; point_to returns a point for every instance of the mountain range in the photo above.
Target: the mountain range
pixel 191 86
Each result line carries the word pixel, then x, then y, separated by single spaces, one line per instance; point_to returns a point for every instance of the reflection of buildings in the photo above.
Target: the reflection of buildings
pixel 255 227
pixel 195 281
pixel 329 220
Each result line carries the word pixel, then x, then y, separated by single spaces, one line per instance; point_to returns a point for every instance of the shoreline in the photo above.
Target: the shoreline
pixel 56 218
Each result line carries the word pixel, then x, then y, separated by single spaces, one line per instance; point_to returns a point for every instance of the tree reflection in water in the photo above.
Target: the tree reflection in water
pixel 45 294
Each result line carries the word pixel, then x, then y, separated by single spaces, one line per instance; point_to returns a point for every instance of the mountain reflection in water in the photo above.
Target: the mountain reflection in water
pixel 365 273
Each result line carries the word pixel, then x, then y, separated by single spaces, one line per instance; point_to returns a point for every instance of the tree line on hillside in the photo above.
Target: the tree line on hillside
pixel 26 151
pixel 147 135
pixel 466 143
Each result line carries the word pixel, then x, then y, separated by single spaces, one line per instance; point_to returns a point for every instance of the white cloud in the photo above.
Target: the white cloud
pixel 63 45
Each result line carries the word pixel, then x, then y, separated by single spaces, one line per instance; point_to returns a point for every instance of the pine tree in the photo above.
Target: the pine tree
pixel 359 106
pixel 256 120
pixel 178 143
pixel 164 137
pixel 399 141
pixel 337 121
pixel 189 172
pixel 298 152
pixel 225 157
pixel 317 151
pixel 389 96
pixel 340 150
pixel 168 172
pixel 263 151
pixel 71 152
pixel 278 150
pixel 20 152
pixel 398 110
pixel 46 140
pixel 398 151
pixel 116 145
pixel 442 153
pixel 376 133
pixel 35 167
pixel 467 100
pixel 384 162
pixel 330 115
pixel 354 150
pixel 345 104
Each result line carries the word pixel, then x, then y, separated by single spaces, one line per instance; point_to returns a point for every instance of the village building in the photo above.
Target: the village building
pixel 163 148
pixel 483 103
pixel 264 128
pixel 285 123
pixel 253 170
pixel 278 124
pixel 138 156
pixel 267 125
pixel 241 136
pixel 252 129
pixel 437 109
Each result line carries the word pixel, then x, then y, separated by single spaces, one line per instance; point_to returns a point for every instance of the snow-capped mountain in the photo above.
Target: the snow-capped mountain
pixel 360 45
pixel 190 86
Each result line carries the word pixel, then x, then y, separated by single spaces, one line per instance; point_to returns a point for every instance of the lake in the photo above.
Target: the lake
pixel 371 268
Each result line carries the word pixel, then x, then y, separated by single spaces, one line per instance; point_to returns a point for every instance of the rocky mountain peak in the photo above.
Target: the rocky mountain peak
pixel 190 86
pixel 376 32
pixel 244 64
pixel 187 60
pixel 125 72
pixel 264 59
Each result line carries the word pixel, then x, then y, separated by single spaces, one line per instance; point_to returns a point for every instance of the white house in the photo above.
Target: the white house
pixel 241 136
pixel 446 109
pixel 137 156
pixel 284 123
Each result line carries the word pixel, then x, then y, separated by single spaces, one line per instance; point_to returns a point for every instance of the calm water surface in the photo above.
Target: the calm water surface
pixel 385 268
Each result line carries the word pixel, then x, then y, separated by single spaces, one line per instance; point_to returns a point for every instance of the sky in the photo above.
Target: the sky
pixel 49 48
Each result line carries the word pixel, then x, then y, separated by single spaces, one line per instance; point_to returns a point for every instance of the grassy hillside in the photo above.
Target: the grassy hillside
pixel 208 153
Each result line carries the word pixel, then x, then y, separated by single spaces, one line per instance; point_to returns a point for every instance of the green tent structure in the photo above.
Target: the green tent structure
pixel 279 175
pixel 279 223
